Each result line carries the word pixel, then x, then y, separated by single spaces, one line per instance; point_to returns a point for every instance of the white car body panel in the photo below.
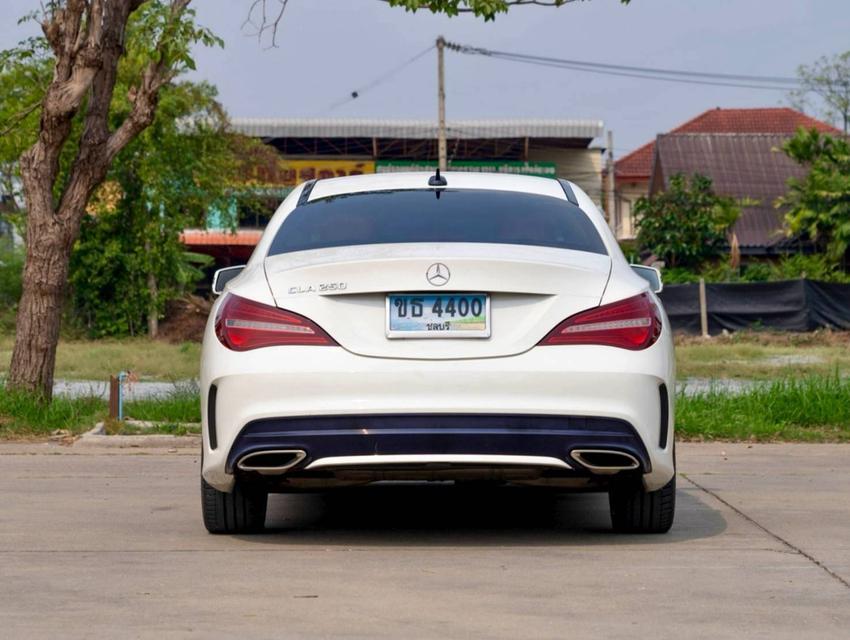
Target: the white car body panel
pixel 528 297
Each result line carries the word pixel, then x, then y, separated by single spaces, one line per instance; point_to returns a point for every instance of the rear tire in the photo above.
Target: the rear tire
pixel 635 510
pixel 241 511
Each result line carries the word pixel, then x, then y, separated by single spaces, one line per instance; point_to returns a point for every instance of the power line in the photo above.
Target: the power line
pixel 381 79
pixel 645 73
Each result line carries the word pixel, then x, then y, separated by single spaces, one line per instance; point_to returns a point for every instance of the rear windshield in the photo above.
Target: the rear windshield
pixel 419 215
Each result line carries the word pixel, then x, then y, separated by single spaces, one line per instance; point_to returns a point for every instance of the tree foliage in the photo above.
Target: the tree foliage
pixel 129 261
pixel 165 180
pixel 24 73
pixel 819 204
pixel 487 9
pixel 686 225
pixel 78 138
pixel 828 80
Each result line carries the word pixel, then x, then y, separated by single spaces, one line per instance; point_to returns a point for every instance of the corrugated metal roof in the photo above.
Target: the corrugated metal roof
pixel 741 166
pixel 638 163
pixel 415 129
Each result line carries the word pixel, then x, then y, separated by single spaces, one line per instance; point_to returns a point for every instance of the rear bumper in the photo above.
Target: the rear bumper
pixel 453 436
pixel 332 403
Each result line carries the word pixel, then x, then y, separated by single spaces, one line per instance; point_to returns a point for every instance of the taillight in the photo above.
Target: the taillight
pixel 633 323
pixel 243 324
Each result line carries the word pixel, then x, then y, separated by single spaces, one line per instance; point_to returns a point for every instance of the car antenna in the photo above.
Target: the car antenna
pixel 437 180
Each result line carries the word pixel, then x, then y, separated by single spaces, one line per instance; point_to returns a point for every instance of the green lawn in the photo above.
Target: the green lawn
pixel 754 356
pixel 763 356
pixel 23 417
pixel 98 359
pixel 812 409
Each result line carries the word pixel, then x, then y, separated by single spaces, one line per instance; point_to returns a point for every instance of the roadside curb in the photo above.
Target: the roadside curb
pixel 97 437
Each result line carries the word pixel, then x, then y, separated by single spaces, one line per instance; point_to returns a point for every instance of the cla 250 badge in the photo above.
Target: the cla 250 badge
pixel 322 287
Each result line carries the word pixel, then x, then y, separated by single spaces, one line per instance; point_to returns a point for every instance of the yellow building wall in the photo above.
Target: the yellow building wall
pixel 627 194
pixel 582 166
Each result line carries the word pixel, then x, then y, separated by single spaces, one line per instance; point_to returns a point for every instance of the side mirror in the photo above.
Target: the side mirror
pixel 223 276
pixel 651 275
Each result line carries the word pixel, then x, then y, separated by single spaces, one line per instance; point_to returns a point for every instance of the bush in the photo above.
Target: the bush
pixel 790 267
pixel 815 266
pixel 686 225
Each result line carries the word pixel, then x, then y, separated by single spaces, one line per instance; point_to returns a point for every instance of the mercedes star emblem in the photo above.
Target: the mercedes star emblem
pixel 438 274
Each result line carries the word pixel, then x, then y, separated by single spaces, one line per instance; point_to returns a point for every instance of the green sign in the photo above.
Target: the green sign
pixel 518 167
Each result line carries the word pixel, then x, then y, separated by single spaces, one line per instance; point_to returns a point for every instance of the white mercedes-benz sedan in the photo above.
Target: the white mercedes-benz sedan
pixel 466 327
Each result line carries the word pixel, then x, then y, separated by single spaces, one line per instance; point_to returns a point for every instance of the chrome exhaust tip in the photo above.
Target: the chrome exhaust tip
pixel 271 463
pixel 605 461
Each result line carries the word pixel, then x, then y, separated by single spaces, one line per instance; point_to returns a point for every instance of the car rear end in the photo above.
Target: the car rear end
pixel 389 330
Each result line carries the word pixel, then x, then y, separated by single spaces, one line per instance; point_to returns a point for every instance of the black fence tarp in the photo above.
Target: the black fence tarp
pixel 792 305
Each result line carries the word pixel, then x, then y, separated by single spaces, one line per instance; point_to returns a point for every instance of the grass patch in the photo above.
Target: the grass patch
pixel 813 409
pixel 763 356
pixel 752 355
pixel 98 359
pixel 23 416
pixel 184 405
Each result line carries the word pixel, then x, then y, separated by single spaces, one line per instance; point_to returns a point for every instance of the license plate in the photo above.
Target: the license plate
pixel 443 315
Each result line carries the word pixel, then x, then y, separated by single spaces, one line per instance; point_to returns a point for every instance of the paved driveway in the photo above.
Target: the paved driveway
pixel 110 544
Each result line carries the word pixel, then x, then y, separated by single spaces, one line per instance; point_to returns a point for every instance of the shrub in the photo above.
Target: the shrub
pixel 686 225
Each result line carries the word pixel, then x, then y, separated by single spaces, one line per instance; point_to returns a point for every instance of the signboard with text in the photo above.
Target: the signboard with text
pixel 288 173
pixel 517 167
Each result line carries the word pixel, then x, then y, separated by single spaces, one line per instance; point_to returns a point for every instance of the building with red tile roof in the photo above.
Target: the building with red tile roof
pixel 633 170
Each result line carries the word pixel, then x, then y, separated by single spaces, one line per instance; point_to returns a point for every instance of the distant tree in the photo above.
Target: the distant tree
pixel 77 139
pixel 129 261
pixel 819 204
pixel 687 224
pixel 828 78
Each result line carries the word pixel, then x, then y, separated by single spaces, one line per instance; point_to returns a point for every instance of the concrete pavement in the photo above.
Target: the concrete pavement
pixel 107 543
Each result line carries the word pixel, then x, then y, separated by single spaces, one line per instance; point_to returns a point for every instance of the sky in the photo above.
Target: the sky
pixel 328 48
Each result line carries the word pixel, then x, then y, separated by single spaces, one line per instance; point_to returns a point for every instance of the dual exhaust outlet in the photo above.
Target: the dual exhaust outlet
pixel 279 461
pixel 271 463
pixel 605 461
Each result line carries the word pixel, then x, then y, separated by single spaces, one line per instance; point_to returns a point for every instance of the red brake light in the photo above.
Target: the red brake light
pixel 243 325
pixel 633 323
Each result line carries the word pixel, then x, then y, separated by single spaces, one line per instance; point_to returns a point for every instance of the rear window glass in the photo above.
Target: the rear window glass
pixel 418 215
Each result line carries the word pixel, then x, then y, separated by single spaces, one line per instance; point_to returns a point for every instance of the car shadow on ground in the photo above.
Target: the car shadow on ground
pixel 444 514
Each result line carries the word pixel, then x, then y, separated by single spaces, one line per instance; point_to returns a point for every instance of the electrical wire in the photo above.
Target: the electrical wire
pixel 645 73
pixel 380 79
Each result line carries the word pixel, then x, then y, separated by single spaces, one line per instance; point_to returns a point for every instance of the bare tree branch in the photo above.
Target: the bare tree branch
pixel 266 22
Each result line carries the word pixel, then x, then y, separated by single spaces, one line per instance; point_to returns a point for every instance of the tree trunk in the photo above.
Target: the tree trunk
pixel 40 308
pixel 87 40
pixel 153 312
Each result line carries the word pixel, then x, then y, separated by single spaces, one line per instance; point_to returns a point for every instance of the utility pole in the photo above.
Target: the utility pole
pixel 611 202
pixel 441 105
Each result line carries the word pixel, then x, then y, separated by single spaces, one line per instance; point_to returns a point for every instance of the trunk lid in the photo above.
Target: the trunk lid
pixel 344 291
